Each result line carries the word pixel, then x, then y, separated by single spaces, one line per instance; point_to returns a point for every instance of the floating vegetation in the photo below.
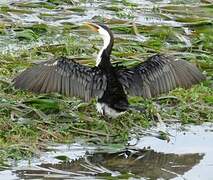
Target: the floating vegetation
pixel 31 32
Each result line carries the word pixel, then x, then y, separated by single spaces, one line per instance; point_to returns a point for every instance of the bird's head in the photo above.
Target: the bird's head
pixel 102 29
pixel 107 37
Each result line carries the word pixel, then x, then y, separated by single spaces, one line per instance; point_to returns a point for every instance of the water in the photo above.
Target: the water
pixel 24 14
pixel 187 155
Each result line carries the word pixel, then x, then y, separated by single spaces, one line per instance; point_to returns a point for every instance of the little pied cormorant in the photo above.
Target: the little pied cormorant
pixel 110 85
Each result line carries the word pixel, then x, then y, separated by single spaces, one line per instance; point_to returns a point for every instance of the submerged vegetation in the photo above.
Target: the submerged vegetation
pixel 28 121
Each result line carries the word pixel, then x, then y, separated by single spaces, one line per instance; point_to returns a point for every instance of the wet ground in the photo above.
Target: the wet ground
pixel 188 154
pixel 169 26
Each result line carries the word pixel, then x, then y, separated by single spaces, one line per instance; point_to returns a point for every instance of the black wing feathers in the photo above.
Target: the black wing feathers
pixel 159 74
pixel 64 76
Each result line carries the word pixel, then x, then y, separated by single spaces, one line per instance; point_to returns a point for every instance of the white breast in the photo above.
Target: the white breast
pixel 106 38
pixel 104 109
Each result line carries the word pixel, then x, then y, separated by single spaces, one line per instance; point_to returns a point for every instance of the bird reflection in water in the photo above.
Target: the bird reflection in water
pixel 133 163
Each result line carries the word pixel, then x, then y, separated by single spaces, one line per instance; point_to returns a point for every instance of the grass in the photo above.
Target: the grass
pixel 28 121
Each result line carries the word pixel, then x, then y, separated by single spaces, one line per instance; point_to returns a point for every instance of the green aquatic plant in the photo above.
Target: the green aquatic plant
pixel 31 120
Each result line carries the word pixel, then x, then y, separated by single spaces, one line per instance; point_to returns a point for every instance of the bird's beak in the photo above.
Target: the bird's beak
pixel 94 27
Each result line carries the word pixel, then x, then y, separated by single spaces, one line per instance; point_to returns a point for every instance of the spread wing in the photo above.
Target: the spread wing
pixel 158 74
pixel 64 76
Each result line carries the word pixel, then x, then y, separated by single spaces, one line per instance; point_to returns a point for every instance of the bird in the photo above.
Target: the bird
pixel 111 85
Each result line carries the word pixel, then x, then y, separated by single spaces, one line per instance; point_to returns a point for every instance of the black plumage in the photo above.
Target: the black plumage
pixel 159 74
pixel 64 76
pixel 110 85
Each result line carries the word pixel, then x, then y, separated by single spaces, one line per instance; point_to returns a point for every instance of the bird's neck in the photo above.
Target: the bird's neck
pixel 103 58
